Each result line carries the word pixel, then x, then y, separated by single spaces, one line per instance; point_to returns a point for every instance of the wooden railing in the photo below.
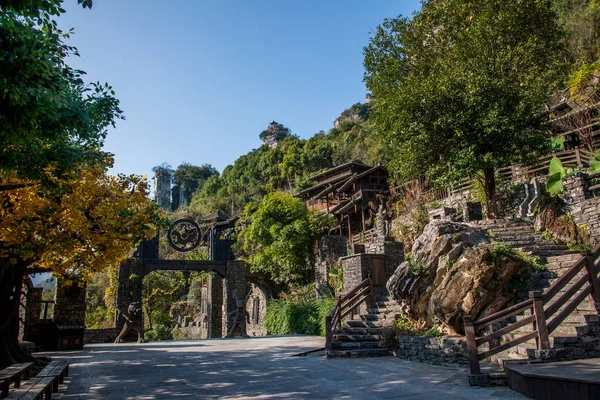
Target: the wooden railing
pixel 363 237
pixel 580 157
pixel 543 307
pixel 344 306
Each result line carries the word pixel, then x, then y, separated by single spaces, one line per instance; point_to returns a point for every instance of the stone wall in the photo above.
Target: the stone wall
pixel 104 335
pixel 256 307
pixel 235 288
pixel 509 197
pixel 69 304
pixel 211 309
pixel 580 203
pixel 438 351
pixel 33 311
pixel 129 289
pixel 329 249
pixel 193 330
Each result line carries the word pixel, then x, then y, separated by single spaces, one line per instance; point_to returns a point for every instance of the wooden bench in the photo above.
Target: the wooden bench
pixel 57 370
pixel 33 389
pixel 14 374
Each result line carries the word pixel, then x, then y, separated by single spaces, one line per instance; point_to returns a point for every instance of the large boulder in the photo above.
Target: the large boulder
pixel 453 271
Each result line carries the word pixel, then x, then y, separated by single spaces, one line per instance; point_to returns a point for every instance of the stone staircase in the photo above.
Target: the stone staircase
pixel 557 258
pixel 361 336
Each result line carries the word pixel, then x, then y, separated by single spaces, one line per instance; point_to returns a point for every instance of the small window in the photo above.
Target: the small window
pixel 255 310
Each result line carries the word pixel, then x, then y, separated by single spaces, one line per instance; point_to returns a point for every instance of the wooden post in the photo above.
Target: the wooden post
pixel 328 332
pixel 371 291
pixel 513 170
pixel 578 157
pixel 471 345
pixel 593 276
pixel 543 341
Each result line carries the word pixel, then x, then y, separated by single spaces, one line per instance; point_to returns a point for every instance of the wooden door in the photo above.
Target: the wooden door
pixel 378 271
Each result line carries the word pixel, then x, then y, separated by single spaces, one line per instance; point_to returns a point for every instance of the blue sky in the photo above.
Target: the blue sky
pixel 198 80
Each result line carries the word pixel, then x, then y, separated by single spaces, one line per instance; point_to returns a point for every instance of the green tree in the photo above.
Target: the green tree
pixel 461 87
pixel 48 115
pixel 278 238
pixel 192 177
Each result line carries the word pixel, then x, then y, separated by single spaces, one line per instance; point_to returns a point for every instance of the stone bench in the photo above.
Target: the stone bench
pixel 56 370
pixel 13 374
pixel 33 389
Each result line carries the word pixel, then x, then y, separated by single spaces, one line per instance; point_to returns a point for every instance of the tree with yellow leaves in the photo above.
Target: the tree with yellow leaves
pixel 80 224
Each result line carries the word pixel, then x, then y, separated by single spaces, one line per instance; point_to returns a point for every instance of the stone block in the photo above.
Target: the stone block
pixel 482 380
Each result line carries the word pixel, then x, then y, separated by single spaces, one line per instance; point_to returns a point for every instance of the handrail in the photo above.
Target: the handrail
pixel 362 237
pixel 344 306
pixel 516 172
pixel 543 306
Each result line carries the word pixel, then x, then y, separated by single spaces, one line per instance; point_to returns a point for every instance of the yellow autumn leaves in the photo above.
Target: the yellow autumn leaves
pixel 78 225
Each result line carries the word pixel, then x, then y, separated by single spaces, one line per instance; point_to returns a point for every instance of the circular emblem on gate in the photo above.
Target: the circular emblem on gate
pixel 184 235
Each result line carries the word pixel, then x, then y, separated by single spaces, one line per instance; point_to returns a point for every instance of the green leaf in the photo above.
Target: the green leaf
pixel 556 167
pixel 554 184
pixel 595 166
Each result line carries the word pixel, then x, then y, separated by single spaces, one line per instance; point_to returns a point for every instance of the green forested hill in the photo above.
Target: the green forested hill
pixel 288 165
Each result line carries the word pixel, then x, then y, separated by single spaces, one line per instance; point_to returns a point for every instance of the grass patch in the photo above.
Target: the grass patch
pixel 498 250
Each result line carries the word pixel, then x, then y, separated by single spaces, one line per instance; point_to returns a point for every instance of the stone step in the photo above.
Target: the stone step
pixel 498 229
pixel 501 223
pixel 368 324
pixel 356 345
pixel 359 331
pixel 359 353
pixel 563 258
pixel 344 337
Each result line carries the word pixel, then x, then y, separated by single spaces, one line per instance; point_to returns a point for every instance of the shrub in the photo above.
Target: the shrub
pixel 285 317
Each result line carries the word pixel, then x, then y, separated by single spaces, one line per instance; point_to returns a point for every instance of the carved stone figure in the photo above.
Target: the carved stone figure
pixel 381 225
pixel 240 317
pixel 132 322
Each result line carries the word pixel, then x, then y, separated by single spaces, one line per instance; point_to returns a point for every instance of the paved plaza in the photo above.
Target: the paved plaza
pixel 263 368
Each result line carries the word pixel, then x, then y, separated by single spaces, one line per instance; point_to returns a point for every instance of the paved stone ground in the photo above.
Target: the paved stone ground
pixel 255 368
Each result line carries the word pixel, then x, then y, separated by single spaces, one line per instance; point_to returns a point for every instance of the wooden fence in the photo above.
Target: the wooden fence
pixel 363 237
pixel 579 157
pixel 543 307
pixel 344 306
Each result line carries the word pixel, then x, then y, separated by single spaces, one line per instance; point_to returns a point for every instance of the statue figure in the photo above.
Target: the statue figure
pixel 132 322
pixel 381 224
pixel 240 316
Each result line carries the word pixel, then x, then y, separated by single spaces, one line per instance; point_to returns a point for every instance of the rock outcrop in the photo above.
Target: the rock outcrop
pixel 454 271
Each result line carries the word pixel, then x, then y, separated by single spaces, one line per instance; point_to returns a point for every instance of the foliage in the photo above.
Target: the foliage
pixel 277 238
pixel 276 131
pixel 500 250
pixel 49 116
pixel 85 223
pixel 595 166
pixel 461 87
pixel 192 177
pixel 557 172
pixel 100 299
pixel 580 20
pixel 159 290
pixel 413 212
pixel 288 166
pixel 285 317
pixel 403 326
pixel 579 247
pixel 336 279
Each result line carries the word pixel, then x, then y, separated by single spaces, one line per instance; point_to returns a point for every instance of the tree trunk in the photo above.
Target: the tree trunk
pixel 490 193
pixel 11 280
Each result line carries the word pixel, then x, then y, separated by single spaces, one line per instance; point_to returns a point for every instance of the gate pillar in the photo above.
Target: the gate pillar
pixel 235 288
pixel 129 289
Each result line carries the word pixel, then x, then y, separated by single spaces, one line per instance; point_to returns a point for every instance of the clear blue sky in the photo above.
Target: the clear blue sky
pixel 198 80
